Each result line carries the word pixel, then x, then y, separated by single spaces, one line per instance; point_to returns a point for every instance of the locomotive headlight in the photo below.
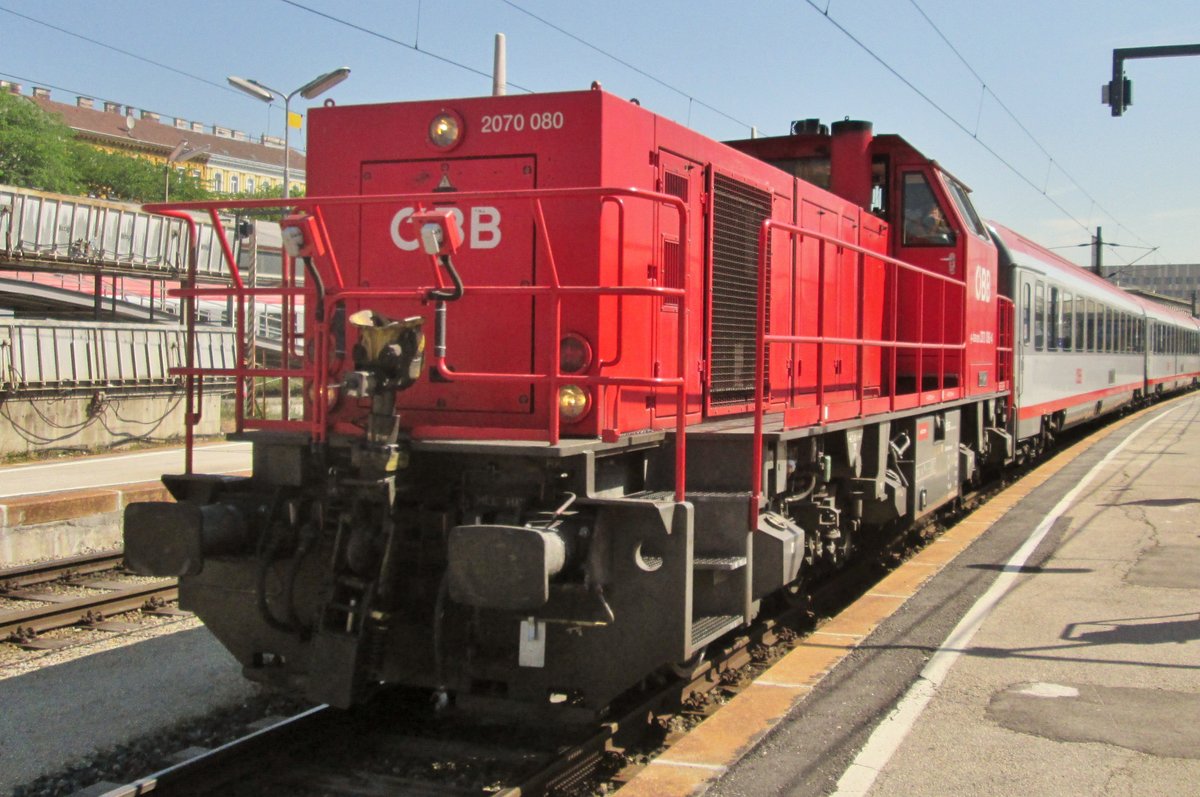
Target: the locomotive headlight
pixel 574 354
pixel 445 130
pixel 573 402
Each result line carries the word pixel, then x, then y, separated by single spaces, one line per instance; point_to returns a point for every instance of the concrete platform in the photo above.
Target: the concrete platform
pixel 1050 644
pixel 66 507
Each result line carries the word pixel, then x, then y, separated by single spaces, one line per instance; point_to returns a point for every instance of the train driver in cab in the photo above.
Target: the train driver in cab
pixel 924 221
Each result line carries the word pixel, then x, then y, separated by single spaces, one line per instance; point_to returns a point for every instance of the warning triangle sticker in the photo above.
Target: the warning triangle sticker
pixel 445 185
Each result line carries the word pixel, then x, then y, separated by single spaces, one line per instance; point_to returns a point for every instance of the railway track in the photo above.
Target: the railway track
pixel 35 601
pixel 399 745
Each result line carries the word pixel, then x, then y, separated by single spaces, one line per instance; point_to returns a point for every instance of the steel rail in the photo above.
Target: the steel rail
pixel 76 610
pixel 54 569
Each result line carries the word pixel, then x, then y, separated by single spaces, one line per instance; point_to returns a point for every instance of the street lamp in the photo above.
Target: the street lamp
pixel 312 88
pixel 183 151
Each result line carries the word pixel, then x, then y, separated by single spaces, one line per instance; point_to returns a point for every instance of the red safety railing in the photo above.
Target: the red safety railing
pixel 319 301
pixel 934 293
pixel 1005 321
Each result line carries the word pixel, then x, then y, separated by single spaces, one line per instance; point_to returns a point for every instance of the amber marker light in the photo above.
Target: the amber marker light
pixel 445 130
pixel 573 402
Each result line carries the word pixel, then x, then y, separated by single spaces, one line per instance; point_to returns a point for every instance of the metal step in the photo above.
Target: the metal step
pixel 706 629
pixel 718 562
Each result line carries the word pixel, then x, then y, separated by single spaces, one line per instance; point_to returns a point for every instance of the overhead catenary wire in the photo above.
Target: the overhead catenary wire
pixel 948 116
pixel 392 40
pixel 116 49
pixel 691 98
pixel 987 90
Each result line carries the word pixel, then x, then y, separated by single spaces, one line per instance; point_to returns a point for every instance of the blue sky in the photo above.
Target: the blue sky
pixel 1064 166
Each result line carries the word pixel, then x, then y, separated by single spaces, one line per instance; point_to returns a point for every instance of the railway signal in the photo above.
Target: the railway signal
pixel 1118 92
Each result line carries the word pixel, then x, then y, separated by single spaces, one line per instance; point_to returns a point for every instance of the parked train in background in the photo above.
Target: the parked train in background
pixel 585 388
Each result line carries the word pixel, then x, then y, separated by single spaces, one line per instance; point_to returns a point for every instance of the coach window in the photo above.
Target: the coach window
pixel 1056 337
pixel 925 221
pixel 1039 316
pixel 1026 311
pixel 1068 321
pixel 1091 325
pixel 1080 324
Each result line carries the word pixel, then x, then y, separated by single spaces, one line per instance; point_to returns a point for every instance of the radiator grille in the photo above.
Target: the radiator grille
pixel 738 212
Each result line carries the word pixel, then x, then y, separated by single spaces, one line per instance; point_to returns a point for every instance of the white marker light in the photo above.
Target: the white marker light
pixel 293 240
pixel 432 237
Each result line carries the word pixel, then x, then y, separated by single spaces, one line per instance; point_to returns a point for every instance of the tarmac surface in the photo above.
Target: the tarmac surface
pixel 59 715
pixel 1048 644
pixel 83 473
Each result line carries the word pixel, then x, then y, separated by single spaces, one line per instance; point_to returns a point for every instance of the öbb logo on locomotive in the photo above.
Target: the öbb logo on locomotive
pixel 544 457
pixel 483 230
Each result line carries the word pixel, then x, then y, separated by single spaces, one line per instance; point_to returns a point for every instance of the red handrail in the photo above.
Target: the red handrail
pixel 317 357
pixel 947 287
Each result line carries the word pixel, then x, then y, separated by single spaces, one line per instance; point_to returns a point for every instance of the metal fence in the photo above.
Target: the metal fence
pixel 64 354
pixel 44 229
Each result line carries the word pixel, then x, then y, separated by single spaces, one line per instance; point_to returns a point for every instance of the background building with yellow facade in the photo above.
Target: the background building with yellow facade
pixel 231 161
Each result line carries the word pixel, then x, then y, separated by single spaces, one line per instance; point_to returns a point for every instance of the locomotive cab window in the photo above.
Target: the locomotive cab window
pixel 925 220
pixel 960 195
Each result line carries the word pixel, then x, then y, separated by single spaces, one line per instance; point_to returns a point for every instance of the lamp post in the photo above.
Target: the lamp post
pixel 312 88
pixel 183 151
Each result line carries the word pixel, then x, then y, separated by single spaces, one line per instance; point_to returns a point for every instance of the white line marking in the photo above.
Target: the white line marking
pixel 839 636
pixel 782 685
pixel 710 767
pixel 888 595
pixel 895 727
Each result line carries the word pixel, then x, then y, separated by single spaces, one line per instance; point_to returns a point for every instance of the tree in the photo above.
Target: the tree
pixel 116 176
pixel 270 192
pixel 36 149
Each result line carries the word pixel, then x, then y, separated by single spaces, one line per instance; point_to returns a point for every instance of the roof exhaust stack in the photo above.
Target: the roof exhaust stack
pixel 499 68
pixel 850 161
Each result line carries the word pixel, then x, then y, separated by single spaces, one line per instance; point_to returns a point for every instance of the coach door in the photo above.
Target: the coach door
pixel 683 178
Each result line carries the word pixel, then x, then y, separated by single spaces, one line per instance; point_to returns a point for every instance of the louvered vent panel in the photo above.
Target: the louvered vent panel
pixel 676 185
pixel 738 212
pixel 672 265
pixel 672 271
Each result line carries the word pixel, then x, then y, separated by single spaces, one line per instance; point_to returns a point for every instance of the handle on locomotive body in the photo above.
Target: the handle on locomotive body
pixel 441 296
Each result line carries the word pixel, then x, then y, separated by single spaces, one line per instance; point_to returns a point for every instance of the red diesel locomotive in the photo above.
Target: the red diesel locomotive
pixel 583 388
